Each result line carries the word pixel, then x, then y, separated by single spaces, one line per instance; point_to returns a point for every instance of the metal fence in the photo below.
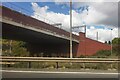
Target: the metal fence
pixel 92 63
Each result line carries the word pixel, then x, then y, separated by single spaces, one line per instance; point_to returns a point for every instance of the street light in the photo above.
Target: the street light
pixel 111 47
pixel 97 36
pixel 111 42
pixel 71 29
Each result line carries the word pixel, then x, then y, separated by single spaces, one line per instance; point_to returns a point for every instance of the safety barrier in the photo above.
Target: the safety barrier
pixel 59 61
pixel 46 59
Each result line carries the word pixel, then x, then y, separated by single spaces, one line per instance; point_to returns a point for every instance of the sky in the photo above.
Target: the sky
pixel 99 16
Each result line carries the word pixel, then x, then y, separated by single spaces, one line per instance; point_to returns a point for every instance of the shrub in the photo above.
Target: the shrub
pixel 82 56
pixel 103 53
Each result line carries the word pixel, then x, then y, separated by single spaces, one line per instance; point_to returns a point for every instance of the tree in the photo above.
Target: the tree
pixel 115 49
pixel 116 41
pixel 19 48
pixel 5 47
pixel 116 46
pixel 16 48
pixel 109 42
pixel 105 42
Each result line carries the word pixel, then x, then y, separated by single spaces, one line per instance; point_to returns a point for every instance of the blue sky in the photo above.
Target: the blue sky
pixel 63 10
pixel 55 8
pixel 27 6
pixel 52 7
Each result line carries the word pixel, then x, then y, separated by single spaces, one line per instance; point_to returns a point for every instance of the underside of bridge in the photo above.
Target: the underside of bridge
pixel 39 43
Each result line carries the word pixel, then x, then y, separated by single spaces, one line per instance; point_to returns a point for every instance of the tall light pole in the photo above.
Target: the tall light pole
pixel 71 29
pixel 85 38
pixel 111 47
pixel 111 42
pixel 97 36
pixel 85 30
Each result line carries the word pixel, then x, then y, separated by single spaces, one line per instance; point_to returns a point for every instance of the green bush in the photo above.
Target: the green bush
pixel 82 56
pixel 14 48
pixel 103 53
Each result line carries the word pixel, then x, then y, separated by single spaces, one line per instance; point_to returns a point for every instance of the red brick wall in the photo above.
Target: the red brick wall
pixel 89 47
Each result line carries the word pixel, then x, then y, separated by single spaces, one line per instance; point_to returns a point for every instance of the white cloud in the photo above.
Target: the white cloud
pixel 103 34
pixel 39 10
pixel 101 12
pixel 95 17
pixel 49 16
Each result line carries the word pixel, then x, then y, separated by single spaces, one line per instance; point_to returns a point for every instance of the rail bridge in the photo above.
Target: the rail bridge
pixel 44 37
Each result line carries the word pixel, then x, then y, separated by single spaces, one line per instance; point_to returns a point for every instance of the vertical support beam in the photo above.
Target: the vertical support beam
pixel 111 65
pixel 111 48
pixel 83 65
pixel 111 42
pixel 10 46
pixel 85 40
pixel 85 30
pixel 8 65
pixel 97 36
pixel 57 65
pixel 29 64
pixel 70 28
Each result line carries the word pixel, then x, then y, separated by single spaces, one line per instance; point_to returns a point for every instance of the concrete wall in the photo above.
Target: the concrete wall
pixel 90 47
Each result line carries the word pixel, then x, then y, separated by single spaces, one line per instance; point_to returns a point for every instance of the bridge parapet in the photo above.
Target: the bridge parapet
pixel 32 22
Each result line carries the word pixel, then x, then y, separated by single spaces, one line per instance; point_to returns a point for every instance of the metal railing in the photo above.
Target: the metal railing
pixel 45 59
pixel 95 63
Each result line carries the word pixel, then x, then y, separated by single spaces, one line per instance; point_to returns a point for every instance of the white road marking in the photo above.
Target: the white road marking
pixel 59 72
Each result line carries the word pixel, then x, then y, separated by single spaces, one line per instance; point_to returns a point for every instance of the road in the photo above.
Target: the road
pixel 48 74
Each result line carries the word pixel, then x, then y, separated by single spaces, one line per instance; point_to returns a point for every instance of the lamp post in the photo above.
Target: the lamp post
pixel 97 36
pixel 111 42
pixel 71 29
pixel 111 47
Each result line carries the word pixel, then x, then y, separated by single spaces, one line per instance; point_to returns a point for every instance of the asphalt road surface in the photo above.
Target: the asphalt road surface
pixel 47 74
